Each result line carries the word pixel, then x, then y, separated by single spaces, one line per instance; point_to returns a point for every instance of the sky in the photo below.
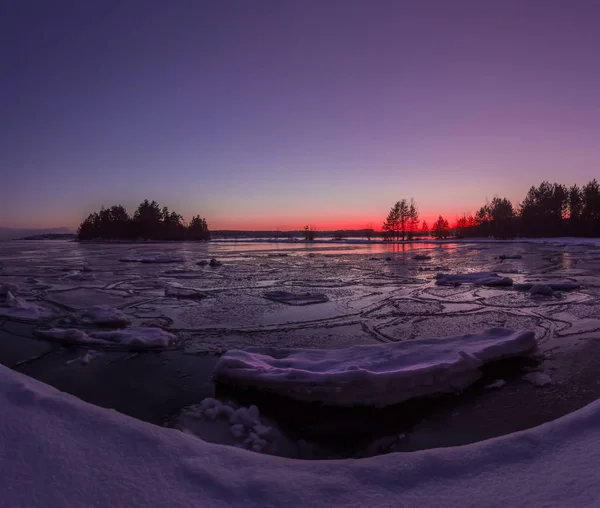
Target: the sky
pixel 271 114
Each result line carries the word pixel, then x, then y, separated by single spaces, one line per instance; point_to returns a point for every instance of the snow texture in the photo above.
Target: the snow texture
pixel 136 336
pixel 153 259
pixel 59 451
pixel 179 292
pixel 538 378
pixel 475 278
pixel 103 315
pixel 296 298
pixel 372 375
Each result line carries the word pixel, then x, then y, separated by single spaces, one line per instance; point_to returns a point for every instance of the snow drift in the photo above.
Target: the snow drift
pixel 59 451
pixel 372 375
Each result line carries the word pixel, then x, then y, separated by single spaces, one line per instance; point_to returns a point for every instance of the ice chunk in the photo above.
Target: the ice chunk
pixel 296 298
pixel 499 383
pixel 179 292
pixel 17 308
pixel 202 262
pixel 153 259
pixel 214 263
pixel 554 285
pixel 421 257
pixel 476 278
pixel 140 336
pixel 541 289
pixel 372 375
pixel 148 337
pixel 278 255
pixel 509 256
pixel 5 289
pixel 103 315
pixel 538 378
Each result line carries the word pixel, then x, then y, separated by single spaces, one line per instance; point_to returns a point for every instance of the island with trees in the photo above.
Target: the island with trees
pixel 149 222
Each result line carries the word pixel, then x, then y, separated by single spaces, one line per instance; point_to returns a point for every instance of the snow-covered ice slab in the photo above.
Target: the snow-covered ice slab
pixel 45 434
pixel 136 336
pixel 296 298
pixel 153 259
pixel 17 308
pixel 475 278
pixel 372 375
pixel 103 315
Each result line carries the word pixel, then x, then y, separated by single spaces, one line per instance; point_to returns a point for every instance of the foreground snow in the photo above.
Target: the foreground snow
pixel 59 451
pixel 372 375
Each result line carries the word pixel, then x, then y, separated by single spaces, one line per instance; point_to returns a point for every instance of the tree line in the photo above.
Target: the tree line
pixel 149 222
pixel 548 210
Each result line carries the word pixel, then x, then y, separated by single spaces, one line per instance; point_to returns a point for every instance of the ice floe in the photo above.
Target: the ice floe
pixel 135 336
pixel 499 383
pixel 296 298
pixel 541 289
pixel 103 315
pixel 372 375
pixel 476 278
pixel 14 307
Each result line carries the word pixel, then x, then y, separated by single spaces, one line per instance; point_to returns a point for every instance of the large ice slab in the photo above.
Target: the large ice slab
pixel 476 278
pixel 14 307
pixel 103 315
pixel 372 375
pixel 60 451
pixel 296 298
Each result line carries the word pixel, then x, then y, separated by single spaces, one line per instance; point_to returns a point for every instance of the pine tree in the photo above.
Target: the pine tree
pixel 424 229
pixel 440 228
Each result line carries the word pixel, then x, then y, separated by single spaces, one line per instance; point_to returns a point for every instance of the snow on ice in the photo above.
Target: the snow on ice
pixel 55 448
pixel 136 336
pixel 103 315
pixel 372 375
pixel 499 383
pixel 296 298
pixel 475 278
pixel 15 307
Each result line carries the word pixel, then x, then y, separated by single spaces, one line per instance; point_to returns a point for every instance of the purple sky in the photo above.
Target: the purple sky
pixel 275 113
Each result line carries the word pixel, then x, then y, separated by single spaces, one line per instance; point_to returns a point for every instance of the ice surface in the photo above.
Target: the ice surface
pixel 136 336
pixel 476 278
pixel 79 276
pixel 103 315
pixel 296 298
pixel 538 378
pixel 59 451
pixel 372 375
pixel 179 292
pixel 153 259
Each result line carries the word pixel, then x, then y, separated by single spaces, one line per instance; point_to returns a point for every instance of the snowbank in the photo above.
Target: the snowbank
pixel 296 298
pixel 153 259
pixel 103 315
pixel 59 451
pixel 372 375
pixel 476 278
pixel 136 336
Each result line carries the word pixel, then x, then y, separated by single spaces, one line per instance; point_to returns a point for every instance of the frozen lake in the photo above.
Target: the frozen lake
pixel 374 294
